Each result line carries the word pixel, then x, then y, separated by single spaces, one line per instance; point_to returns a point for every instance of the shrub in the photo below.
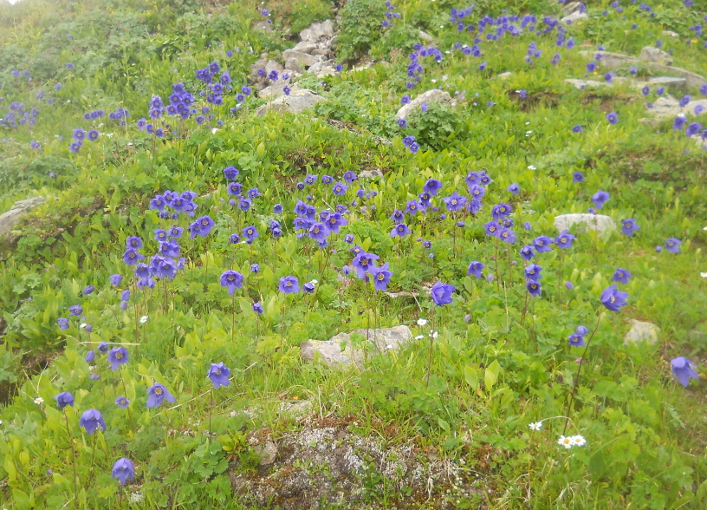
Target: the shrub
pixel 360 27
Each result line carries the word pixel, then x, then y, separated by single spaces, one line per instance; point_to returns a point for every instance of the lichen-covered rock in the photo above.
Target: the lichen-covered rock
pixel 317 31
pixel 20 209
pixel 297 101
pixel 339 351
pixel 656 55
pixel 642 332
pixel 574 18
pixel 431 96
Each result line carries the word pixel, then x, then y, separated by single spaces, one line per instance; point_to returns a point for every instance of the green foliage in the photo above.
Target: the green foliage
pixel 359 27
pixel 437 127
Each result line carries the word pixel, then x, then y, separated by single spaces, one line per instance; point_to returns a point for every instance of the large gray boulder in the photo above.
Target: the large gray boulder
pixel 20 209
pixel 431 96
pixel 673 84
pixel 317 31
pixel 297 101
pixel 574 18
pixel 303 59
pixel 642 332
pixel 598 222
pixel 670 107
pixel 339 351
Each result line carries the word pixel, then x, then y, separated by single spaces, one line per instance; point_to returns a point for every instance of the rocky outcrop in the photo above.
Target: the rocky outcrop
pixel 598 222
pixel 431 96
pixel 297 101
pixel 642 332
pixel 339 350
pixel 20 209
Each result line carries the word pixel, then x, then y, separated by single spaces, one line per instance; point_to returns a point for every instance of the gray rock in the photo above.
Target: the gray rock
pixel 295 409
pixel 598 222
pixel 274 91
pixel 425 36
pixel 304 59
pixel 670 33
pixel 20 209
pixel 570 7
pixel 373 173
pixel 332 352
pixel 296 102
pixel 653 54
pixel 574 18
pixel 317 31
pixel 431 96
pixel 642 332
pixel 263 26
pixel 267 453
pixel 305 47
pixel 321 69
pixel 273 65
pixel 670 107
pixel 582 84
pixel 505 75
pixel 260 63
pixel 678 85
pixel 292 64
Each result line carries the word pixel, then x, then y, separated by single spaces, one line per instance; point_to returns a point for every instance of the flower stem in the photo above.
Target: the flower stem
pixel 576 377
pixel 429 363
pixel 93 458
pixel 73 455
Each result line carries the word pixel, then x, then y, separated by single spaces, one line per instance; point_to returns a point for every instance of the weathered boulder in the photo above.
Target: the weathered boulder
pixel 20 209
pixel 339 351
pixel 505 75
pixel 570 7
pixel 267 453
pixel 670 107
pixel 303 59
pixel 642 332
pixel 583 84
pixel 656 55
pixel 425 36
pixel 275 90
pixel 574 18
pixel 262 26
pixel 598 222
pixel 431 96
pixel 305 46
pixel 678 85
pixel 373 173
pixel 317 31
pixel 297 101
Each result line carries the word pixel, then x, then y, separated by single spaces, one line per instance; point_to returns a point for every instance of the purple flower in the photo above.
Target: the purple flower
pixel 513 188
pixel 612 117
pixel 218 373
pixel 75 310
pixel 250 233
pixel 381 277
pixel 542 244
pixel 103 347
pixel 679 122
pixel 577 129
pixel 441 293
pixel 232 280
pixel 600 198
pixel 492 229
pixel 532 272
pixel 364 263
pixel 122 402
pixel 340 188
pixel 527 252
pixel 400 230
pixel 258 308
pixel 65 399
pixel 289 284
pixel 432 186
pixel 63 323
pixel 476 269
pixel 507 235
pixel 621 276
pixel 577 177
pixel 628 227
pixel 117 356
pixel 156 394
pixel 577 339
pixel 123 470
pixel 672 245
pixel 684 370
pixel 533 288
pixel 92 420
pixel 613 299
pixel 115 280
pixel 569 285
pixel 90 356
pixel 454 202
pixel 564 240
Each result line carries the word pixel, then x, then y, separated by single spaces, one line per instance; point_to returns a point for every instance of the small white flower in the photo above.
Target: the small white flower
pixel 434 334
pixel 578 440
pixel 536 425
pixel 528 132
pixel 39 400
pixel 531 167
pixel 703 275
pixel 389 346
pixel 433 80
pixel 82 325
pixel 214 130
pixel 419 337
pixel 421 322
pixel 314 282
pixel 527 123
pixel 565 441
pixel 143 319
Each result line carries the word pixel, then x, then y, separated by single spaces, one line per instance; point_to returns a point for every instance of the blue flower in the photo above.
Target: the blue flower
pixel 218 373
pixel 122 402
pixel 63 323
pixel 232 280
pixel 613 299
pixel 476 269
pixel 156 394
pixel 65 399
pixel 441 293
pixel 684 370
pixel 123 471
pixel 289 285
pixel 621 276
pixel 92 420
pixel 117 356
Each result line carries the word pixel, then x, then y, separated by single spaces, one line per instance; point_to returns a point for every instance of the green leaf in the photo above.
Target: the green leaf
pixel 491 374
pixel 471 376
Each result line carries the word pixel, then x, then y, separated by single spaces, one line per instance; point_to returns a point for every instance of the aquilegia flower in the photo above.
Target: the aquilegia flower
pixel 672 245
pixel 76 310
pixel 613 299
pixel 533 272
pixel 156 394
pixel 432 186
pixel 65 399
pixel 612 117
pixel 577 338
pixel 289 284
pixel 122 402
pixel 600 198
pixel 232 280
pixel 115 280
pixel 381 277
pixel 542 244
pixel 628 227
pixel 683 370
pixel 442 293
pixel 533 288
pixel 621 276
pixel 117 356
pixel 564 240
pixel 218 373
pixel 92 420
pixel 63 323
pixel 476 269
pixel 123 470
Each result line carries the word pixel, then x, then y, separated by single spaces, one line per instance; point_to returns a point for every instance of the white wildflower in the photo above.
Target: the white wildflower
pixel 703 275
pixel 536 425
pixel 565 441
pixel 419 337
pixel 143 319
pixel 39 400
pixel 578 440
pixel 531 167
pixel 421 322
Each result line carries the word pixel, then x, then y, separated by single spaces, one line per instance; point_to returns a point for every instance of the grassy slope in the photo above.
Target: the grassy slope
pixel 645 442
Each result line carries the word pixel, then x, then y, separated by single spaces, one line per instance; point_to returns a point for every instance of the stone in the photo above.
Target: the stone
pixel 670 107
pixel 260 63
pixel 332 352
pixel 431 96
pixel 267 453
pixel 297 101
pixel 598 222
pixel 574 18
pixel 673 84
pixel 425 36
pixel 373 173
pixel 295 409
pixel 19 210
pixel 293 65
pixel 505 75
pixel 317 31
pixel 321 69
pixel 570 7
pixel 273 65
pixel 305 47
pixel 263 26
pixel 274 91
pixel 670 33
pixel 304 59
pixel 653 54
pixel 642 332
pixel 582 84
